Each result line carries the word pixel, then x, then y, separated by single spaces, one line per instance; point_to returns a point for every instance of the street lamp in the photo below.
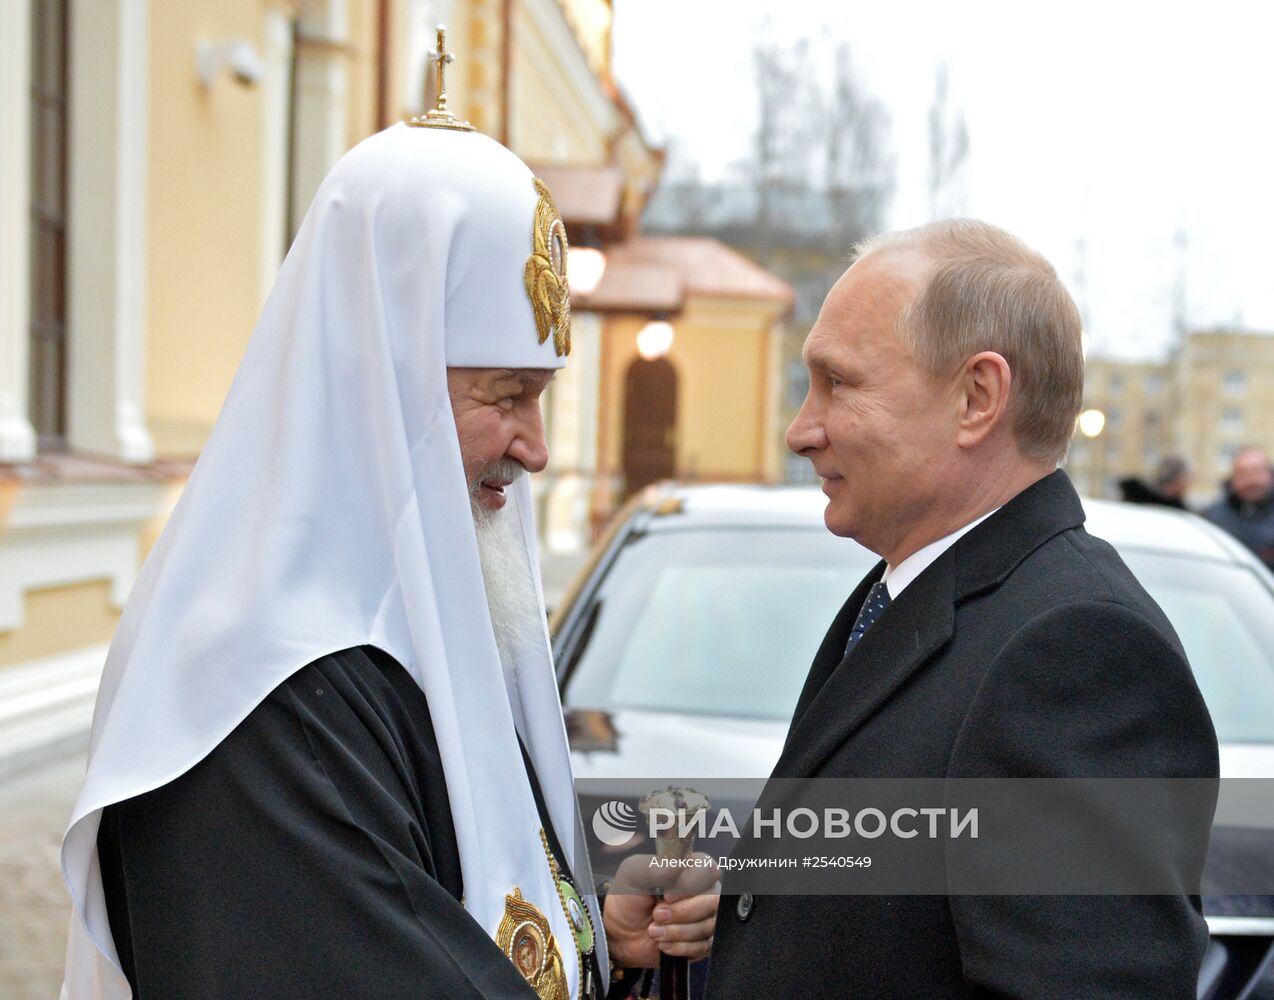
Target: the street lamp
pixel 655 339
pixel 1091 423
pixel 585 267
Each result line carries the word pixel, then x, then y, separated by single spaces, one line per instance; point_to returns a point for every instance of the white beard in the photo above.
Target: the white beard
pixel 510 587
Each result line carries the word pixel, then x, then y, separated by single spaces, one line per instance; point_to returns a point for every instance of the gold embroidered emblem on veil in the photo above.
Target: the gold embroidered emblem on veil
pixel 525 937
pixel 545 274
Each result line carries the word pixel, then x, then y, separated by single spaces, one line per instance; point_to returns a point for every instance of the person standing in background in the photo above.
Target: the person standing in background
pixel 1246 507
pixel 1172 479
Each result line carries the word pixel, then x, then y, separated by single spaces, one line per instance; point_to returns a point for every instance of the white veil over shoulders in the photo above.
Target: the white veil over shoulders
pixel 329 509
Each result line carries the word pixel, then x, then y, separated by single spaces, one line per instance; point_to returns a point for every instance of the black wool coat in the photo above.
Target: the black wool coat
pixel 1027 649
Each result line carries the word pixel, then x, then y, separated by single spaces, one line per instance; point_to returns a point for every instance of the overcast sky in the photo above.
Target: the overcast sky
pixel 1112 124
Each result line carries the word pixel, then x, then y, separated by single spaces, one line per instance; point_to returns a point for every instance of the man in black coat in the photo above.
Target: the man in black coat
pixel 997 639
pixel 1246 507
pixel 1168 488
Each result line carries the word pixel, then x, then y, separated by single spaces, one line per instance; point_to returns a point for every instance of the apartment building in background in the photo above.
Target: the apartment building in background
pixel 1213 395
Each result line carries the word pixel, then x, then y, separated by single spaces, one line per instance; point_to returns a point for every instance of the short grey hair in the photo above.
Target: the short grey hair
pixel 1170 468
pixel 986 290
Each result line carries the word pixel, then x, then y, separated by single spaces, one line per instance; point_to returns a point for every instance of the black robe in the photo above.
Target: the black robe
pixel 311 854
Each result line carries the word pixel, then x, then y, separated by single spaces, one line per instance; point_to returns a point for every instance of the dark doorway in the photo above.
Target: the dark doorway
pixel 650 423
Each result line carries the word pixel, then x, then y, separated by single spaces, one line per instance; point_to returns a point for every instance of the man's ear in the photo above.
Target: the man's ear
pixel 983 388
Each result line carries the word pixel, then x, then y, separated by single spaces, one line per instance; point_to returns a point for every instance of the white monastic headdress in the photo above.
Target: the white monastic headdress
pixel 329 509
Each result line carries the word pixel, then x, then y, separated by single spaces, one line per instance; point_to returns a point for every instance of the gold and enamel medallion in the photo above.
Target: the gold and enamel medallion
pixel 577 915
pixel 524 936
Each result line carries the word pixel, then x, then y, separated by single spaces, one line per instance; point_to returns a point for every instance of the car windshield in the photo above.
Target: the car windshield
pixel 714 622
pixel 726 621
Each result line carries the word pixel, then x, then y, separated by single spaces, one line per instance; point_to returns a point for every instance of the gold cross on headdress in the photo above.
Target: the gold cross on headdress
pixel 442 57
pixel 440 117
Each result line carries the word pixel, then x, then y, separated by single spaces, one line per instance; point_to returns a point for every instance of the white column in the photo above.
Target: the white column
pixel 276 99
pixel 107 219
pixel 322 85
pixel 17 439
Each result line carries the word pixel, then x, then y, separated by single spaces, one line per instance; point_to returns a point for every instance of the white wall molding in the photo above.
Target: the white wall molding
pixel 60 534
pixel 46 707
pixel 17 439
pixel 107 220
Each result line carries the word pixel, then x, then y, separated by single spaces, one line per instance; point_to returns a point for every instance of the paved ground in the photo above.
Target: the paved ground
pixel 34 908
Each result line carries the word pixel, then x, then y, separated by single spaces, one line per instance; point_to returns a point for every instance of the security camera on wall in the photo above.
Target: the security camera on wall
pixel 236 55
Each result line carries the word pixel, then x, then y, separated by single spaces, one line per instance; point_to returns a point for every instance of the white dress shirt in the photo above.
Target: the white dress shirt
pixel 897 577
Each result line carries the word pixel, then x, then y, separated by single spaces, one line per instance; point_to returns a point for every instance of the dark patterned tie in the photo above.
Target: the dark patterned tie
pixel 873 608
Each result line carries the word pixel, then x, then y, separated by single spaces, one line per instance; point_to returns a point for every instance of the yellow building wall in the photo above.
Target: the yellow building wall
pixel 60 619
pixel 205 220
pixel 592 21
pixel 482 50
pixel 8 494
pixel 722 355
pixel 361 56
pixel 725 360
pixel 207 205
pixel 774 445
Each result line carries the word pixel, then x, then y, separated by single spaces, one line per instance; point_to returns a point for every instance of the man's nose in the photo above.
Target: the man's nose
pixel 805 433
pixel 529 447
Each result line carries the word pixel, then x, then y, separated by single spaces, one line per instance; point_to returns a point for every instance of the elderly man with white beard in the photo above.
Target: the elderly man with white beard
pixel 328 756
